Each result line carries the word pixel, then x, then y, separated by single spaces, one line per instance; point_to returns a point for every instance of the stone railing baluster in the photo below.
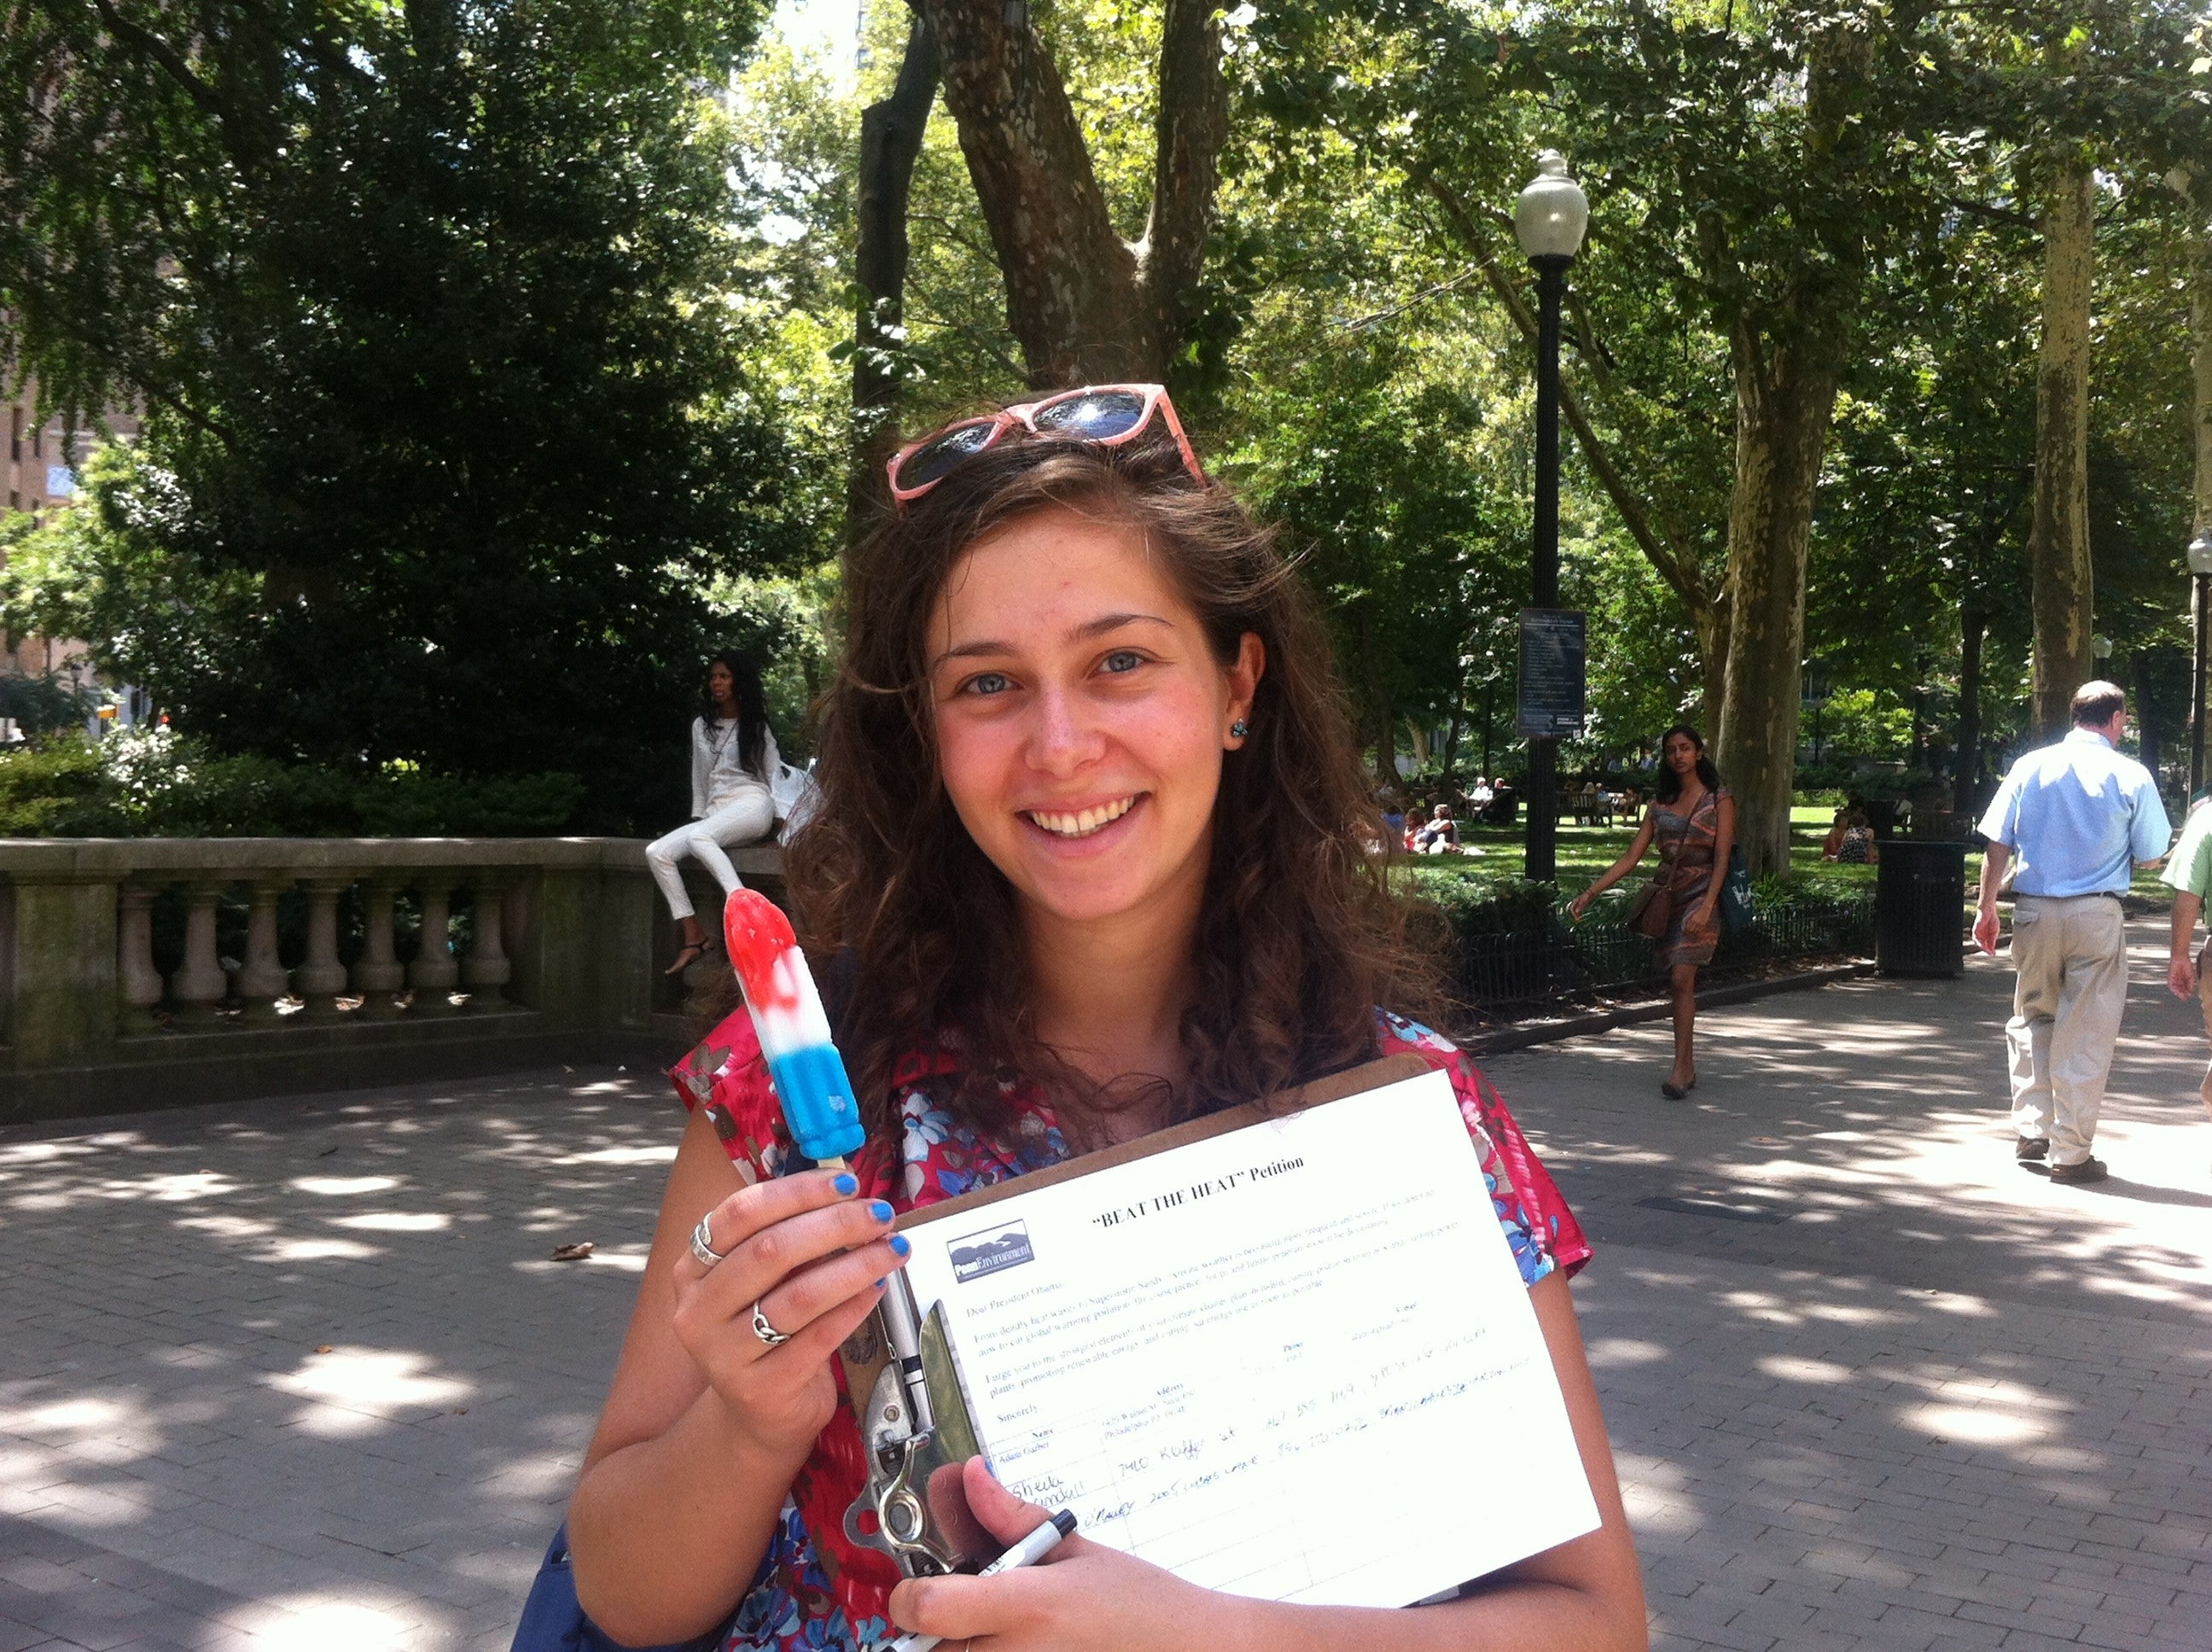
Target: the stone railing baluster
pixel 321 977
pixel 560 961
pixel 138 983
pixel 262 979
pixel 200 984
pixel 433 974
pixel 377 974
pixel 486 968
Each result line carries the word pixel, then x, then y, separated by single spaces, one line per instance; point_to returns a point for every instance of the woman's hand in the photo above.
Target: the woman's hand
pixel 813 1258
pixel 1701 921
pixel 1578 906
pixel 1082 1597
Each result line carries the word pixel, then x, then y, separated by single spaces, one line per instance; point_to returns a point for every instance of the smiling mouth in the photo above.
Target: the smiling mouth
pixel 1084 822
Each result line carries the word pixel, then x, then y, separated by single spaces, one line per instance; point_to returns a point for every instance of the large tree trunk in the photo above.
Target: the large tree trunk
pixel 890 142
pixel 1785 396
pixel 1787 360
pixel 2063 587
pixel 1085 304
pixel 1712 623
pixel 1973 626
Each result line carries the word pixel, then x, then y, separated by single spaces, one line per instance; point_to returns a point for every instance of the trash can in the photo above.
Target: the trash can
pixel 1919 908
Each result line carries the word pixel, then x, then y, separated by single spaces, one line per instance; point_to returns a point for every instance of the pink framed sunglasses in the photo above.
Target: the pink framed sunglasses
pixel 1108 415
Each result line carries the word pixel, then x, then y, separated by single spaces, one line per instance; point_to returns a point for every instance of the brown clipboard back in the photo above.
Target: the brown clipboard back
pixel 864 1354
pixel 1352 1081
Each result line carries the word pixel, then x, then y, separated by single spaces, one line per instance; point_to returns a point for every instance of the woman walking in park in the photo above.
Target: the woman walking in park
pixel 1692 820
pixel 733 760
pixel 1092 853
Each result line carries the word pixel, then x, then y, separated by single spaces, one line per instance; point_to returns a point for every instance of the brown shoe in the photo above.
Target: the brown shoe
pixel 2089 1169
pixel 2027 1148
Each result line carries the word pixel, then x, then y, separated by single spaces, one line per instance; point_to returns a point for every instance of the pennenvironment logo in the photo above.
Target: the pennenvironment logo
pixel 1005 1246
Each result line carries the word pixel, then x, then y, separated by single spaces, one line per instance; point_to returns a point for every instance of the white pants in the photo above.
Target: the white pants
pixel 2072 956
pixel 745 818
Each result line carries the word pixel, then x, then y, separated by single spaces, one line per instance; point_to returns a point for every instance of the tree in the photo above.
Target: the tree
pixel 2064 585
pixel 891 132
pixel 429 307
pixel 1744 175
pixel 1086 304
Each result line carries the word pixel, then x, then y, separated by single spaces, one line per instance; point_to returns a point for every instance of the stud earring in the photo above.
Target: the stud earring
pixel 1239 729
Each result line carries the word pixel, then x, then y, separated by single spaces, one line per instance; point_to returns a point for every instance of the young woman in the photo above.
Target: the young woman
pixel 1692 820
pixel 1091 851
pixel 733 758
pixel 1853 840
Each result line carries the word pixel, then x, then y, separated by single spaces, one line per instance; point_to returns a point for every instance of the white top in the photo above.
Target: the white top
pixel 718 774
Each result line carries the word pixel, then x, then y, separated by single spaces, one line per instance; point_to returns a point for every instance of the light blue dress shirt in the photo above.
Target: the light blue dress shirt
pixel 2079 814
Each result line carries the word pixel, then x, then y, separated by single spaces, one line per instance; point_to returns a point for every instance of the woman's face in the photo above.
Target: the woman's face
pixel 1681 753
pixel 721 687
pixel 1081 717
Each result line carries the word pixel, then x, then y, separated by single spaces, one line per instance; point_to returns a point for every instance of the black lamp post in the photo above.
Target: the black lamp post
pixel 2200 567
pixel 1548 221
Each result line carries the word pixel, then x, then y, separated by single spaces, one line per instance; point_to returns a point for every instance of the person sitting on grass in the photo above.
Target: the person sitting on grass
pixel 1439 834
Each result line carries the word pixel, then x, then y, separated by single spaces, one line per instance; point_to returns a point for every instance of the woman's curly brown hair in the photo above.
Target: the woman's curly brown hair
pixel 1297 941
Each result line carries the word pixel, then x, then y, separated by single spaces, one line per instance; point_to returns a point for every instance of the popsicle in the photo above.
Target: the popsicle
pixel 803 1064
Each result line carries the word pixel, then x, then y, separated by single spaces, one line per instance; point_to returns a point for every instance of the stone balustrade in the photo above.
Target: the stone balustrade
pixel 561 947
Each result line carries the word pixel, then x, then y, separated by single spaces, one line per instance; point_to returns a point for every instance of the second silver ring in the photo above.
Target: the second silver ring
pixel 767 1332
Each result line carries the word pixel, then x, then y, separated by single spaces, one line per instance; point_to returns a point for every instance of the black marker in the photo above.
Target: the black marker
pixel 1027 1552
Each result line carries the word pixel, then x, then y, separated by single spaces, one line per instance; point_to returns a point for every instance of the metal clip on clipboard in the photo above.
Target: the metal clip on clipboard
pixel 916 1432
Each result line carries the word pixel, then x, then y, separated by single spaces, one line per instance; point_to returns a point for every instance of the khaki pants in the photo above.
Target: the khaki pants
pixel 2205 1003
pixel 2071 953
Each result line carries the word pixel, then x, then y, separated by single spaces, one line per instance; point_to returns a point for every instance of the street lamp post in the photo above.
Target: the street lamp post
pixel 1548 221
pixel 2200 567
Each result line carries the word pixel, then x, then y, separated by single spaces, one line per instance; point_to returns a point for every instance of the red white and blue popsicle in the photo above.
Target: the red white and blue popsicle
pixel 803 1064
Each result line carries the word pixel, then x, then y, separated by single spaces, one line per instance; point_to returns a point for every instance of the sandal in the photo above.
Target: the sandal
pixel 690 953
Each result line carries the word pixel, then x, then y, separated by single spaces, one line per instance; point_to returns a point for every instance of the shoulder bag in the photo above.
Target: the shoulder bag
pixel 1653 908
pixel 1736 893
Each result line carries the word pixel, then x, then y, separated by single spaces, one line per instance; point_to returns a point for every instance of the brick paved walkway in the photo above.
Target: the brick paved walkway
pixel 299 1374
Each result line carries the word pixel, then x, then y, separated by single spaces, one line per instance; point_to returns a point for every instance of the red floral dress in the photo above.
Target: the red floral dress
pixel 815 1591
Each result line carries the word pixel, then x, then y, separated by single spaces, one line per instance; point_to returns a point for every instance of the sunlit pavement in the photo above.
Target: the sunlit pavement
pixel 302 1375
pixel 1940 1402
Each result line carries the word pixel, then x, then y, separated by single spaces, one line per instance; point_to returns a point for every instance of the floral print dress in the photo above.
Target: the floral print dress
pixel 815 1591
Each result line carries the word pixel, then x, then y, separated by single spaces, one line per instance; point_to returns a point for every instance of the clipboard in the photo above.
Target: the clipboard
pixel 1230 1377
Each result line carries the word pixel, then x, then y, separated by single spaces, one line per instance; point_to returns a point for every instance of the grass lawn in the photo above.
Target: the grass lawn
pixel 1586 851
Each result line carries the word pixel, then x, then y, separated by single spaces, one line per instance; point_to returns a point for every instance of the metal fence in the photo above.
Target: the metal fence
pixel 1513 955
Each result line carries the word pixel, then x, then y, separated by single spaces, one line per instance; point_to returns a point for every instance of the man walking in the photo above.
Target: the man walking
pixel 2079 817
pixel 2191 878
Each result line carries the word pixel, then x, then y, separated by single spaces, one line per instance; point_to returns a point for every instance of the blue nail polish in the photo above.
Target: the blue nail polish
pixel 846 1185
pixel 901 1245
pixel 881 1211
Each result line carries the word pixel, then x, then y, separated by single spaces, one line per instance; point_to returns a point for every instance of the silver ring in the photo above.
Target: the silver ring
pixel 767 1332
pixel 703 1245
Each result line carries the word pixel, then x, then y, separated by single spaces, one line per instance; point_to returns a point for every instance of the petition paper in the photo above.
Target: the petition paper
pixel 1294 1361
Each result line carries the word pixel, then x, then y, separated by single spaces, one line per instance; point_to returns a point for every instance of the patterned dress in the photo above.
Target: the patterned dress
pixel 815 1591
pixel 1686 840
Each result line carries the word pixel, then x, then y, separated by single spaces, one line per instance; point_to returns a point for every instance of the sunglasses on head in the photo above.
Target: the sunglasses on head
pixel 1107 414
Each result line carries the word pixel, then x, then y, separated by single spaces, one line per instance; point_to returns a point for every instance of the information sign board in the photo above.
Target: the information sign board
pixel 1554 648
